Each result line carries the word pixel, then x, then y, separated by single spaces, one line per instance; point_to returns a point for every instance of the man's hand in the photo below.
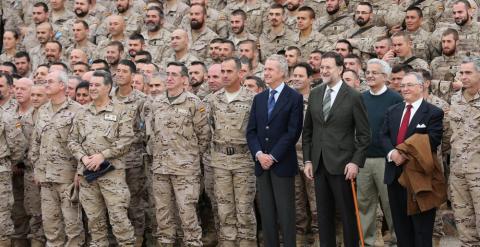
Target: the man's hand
pixel 397 157
pixel 95 161
pixel 308 170
pixel 351 171
pixel 457 85
pixel 265 160
pixel 388 56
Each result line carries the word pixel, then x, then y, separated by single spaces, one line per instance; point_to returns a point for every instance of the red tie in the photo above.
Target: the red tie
pixel 402 132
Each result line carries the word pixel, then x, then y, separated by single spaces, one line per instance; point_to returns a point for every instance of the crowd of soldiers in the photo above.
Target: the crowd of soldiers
pixel 128 117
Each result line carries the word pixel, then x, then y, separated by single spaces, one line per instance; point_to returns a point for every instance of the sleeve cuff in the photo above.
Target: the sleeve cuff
pixel 389 155
pixel 107 154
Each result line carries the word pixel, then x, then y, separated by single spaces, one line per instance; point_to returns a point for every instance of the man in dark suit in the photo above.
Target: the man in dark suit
pixel 273 129
pixel 402 120
pixel 336 136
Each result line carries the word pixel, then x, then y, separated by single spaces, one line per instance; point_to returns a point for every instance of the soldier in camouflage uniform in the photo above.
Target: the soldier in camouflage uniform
pixel 216 20
pixel 276 36
pixel 179 45
pixel 464 167
pixel 432 11
pixel 238 21
pixel 402 52
pixel 307 39
pixel 445 67
pixel 134 169
pixel 59 15
pixel 102 134
pixel 337 20
pixel 256 11
pixel 174 11
pixel 116 32
pixel 44 34
pixel 55 166
pixel 200 34
pixel 131 14
pixel 179 135
pixel 82 12
pixel 156 37
pixel 198 79
pixel 420 38
pixel 233 174
pixel 81 39
pixel 40 14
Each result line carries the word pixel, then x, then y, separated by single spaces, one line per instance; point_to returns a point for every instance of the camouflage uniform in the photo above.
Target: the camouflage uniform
pixel 233 173
pixel 104 43
pixel 60 28
pixel 416 63
pixel 90 49
pixel 256 15
pixel 30 38
pixel 432 10
pixel 12 144
pixel 11 14
pixel 174 15
pixel 444 71
pixel 134 167
pixel 271 43
pixel 421 44
pixel 179 134
pixel 199 43
pixel 291 21
pixel 363 38
pixel 54 169
pixel 133 20
pixel 93 23
pixel 465 170
pixel 318 6
pixel 315 41
pixel 395 14
pixel 446 19
pixel 4 57
pixel 236 39
pixel 331 26
pixel 304 196
pixel 110 132
pixel 37 56
pixel 258 71
pixel 468 38
pixel 158 45
pixel 187 60
pixel 215 20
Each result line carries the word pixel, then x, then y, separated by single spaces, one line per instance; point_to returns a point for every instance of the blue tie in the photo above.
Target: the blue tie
pixel 271 102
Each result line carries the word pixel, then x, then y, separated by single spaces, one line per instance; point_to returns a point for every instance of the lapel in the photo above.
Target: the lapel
pixel 281 101
pixel 338 100
pixel 396 119
pixel 419 114
pixel 321 94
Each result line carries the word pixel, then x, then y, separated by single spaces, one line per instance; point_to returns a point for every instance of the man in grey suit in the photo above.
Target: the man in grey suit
pixel 336 136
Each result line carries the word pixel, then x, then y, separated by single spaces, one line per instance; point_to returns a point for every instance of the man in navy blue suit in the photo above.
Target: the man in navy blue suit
pixel 273 129
pixel 402 120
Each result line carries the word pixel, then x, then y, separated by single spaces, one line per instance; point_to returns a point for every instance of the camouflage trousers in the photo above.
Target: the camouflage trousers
pixel 235 193
pixel 305 199
pixel 19 214
pixel 209 190
pixel 62 219
pixel 464 195
pixel 172 192
pixel 33 206
pixel 137 185
pixel 6 203
pixel 370 190
pixel 109 192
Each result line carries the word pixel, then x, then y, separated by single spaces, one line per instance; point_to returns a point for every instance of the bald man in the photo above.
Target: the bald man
pixel 180 46
pixel 115 26
pixel 44 33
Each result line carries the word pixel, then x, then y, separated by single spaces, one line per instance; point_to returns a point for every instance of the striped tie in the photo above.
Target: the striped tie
pixel 326 103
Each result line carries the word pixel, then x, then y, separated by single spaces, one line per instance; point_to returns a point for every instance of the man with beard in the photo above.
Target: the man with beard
pixel 238 19
pixel 227 49
pixel 53 51
pixel 59 15
pixel 179 45
pixel 198 76
pixel 335 22
pixel 420 37
pixel 135 43
pixel 293 56
pixel 81 8
pixel 39 15
pixel 256 11
pixel 174 11
pixel 215 19
pixel 307 39
pixel 133 19
pixel 277 36
pixel 23 64
pixel 116 32
pixel 292 10
pixel 81 40
pixel 156 37
pixel 315 60
pixel 113 54
pixel 445 67
pixel 248 48
pixel 200 34
pixel 213 51
pixel 44 34
pixel 365 33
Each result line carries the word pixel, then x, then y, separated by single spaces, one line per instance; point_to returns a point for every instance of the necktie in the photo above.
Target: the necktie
pixel 402 132
pixel 271 102
pixel 326 103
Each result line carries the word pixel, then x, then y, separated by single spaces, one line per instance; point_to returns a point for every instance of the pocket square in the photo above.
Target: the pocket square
pixel 421 126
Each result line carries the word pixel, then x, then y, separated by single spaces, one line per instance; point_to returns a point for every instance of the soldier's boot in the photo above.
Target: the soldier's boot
pixel 247 243
pixel 316 241
pixel 36 243
pixel 6 243
pixel 138 241
pixel 20 243
pixel 300 240
pixel 226 243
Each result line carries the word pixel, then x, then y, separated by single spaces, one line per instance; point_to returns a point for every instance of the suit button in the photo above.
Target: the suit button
pixel 266 139
pixel 267 128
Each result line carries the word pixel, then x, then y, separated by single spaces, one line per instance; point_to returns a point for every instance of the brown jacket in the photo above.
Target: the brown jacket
pixel 422 175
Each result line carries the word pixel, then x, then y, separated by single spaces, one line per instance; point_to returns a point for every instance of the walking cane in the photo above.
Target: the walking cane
pixel 357 213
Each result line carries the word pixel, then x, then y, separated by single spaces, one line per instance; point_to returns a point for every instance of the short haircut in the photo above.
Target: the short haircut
pixel 386 69
pixel 260 83
pixel 216 41
pixel 337 57
pixel 137 36
pixel 21 54
pixel 83 64
pixel 239 12
pixel 107 77
pixel 309 10
pixel 84 23
pixel 118 44
pixel 15 33
pixel 146 54
pixel 381 38
pixel 282 63
pixel 8 78
pixel 82 84
pixel 203 7
pixel 474 60
pixel 11 65
pixel 131 66
pixel 418 76
pixel 416 9
pixel 353 72
pixel 401 67
pixel 159 11
pixel 43 5
pixel 103 62
pixel 403 34
pixel 349 45
pixel 60 47
pixel 249 41
pixel 354 56
pixel 465 2
pixel 64 66
pixel 62 77
pixel 236 60
pixel 369 5
pixel 427 76
pixel 227 41
pixel 204 67
pixel 277 6
pixel 317 52
pixel 183 68
pixel 294 48
pixel 306 66
pixel 451 31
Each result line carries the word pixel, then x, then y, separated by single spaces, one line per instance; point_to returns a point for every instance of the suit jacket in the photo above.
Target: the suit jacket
pixel 345 135
pixel 427 114
pixel 276 136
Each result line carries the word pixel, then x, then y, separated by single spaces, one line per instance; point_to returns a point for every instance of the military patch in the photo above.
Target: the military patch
pixel 18 125
pixel 202 109
pixel 110 117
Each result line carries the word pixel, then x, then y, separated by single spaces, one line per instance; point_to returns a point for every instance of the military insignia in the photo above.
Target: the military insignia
pixel 110 117
pixel 440 8
pixel 58 35
pixel 202 109
pixel 18 125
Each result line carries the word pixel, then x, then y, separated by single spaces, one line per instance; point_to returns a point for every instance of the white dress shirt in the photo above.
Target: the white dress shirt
pixel 334 93
pixel 279 90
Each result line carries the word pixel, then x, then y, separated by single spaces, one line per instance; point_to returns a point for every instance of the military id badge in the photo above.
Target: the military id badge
pixel 110 117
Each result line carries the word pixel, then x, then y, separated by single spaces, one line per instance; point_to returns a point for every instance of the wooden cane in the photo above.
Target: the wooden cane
pixel 357 213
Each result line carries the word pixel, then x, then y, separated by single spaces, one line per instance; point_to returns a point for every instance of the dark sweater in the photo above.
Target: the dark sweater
pixel 376 106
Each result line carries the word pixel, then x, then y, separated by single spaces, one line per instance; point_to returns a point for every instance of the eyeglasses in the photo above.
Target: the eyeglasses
pixel 374 73
pixel 409 85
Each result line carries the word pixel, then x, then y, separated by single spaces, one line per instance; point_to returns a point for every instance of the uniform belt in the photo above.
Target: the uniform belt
pixel 231 149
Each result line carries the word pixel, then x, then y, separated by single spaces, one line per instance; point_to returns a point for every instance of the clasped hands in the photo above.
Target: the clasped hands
pixel 350 171
pixel 397 157
pixel 93 162
pixel 266 160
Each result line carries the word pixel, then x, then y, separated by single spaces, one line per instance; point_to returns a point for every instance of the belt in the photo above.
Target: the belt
pixel 231 149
